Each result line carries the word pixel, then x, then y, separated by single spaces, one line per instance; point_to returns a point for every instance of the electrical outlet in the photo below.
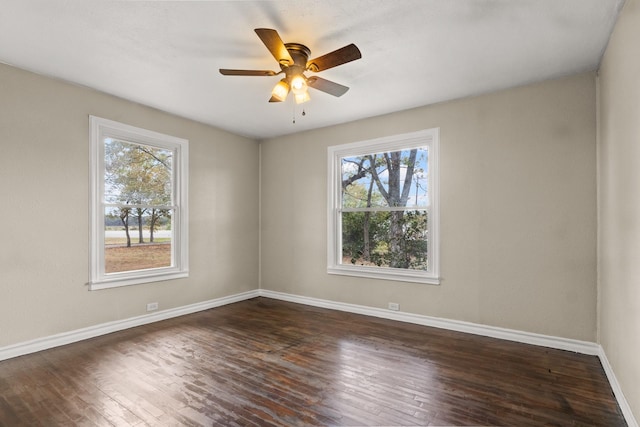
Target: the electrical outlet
pixel 394 306
pixel 152 306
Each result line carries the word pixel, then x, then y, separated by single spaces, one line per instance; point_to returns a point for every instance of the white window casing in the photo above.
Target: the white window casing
pixel 100 130
pixel 335 265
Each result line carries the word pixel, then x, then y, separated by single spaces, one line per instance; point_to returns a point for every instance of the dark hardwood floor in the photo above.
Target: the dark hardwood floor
pixel 272 363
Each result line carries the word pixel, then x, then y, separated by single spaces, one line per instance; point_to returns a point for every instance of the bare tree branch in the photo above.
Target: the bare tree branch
pixel 360 174
pixel 163 162
pixel 376 178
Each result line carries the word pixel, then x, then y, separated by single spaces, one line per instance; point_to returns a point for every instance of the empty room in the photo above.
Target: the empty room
pixel 320 213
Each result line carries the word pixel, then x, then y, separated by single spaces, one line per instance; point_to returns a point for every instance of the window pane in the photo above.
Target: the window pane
pixel 395 178
pixel 396 239
pixel 137 239
pixel 136 174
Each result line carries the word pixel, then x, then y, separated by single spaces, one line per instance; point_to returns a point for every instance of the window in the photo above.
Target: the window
pixel 138 212
pixel 383 208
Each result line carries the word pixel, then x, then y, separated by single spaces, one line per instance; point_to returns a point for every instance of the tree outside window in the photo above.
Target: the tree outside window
pixel 138 193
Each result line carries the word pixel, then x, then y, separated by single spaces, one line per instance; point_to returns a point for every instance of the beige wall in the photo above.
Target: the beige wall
pixel 44 166
pixel 619 203
pixel 518 211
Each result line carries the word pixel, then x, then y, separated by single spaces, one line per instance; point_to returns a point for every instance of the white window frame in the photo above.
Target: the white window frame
pixel 99 130
pixel 425 138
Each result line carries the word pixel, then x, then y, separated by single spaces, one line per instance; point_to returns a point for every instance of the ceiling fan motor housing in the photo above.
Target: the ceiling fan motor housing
pixel 300 54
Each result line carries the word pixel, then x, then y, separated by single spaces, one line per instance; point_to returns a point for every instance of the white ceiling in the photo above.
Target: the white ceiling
pixel 166 54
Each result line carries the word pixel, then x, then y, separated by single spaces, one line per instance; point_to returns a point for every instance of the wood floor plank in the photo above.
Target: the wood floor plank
pixel 270 363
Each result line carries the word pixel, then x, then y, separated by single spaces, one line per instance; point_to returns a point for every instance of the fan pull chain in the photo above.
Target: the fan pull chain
pixel 304 113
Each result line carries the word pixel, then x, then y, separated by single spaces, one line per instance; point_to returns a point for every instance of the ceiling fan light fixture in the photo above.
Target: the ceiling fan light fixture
pixel 281 90
pixel 299 84
pixel 302 97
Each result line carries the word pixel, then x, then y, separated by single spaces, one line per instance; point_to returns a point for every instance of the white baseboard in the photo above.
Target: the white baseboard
pixel 64 338
pixel 44 343
pixel 583 347
pixel 617 391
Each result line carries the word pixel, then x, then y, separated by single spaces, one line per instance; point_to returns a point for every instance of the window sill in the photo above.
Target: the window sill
pixel 384 274
pixel 108 283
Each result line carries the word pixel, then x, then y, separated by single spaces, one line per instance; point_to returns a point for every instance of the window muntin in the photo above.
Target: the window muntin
pixel 139 205
pixel 383 219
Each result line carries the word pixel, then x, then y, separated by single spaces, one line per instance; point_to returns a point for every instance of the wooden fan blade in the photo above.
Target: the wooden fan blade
pixel 327 86
pixel 274 99
pixel 227 72
pixel 273 42
pixel 333 59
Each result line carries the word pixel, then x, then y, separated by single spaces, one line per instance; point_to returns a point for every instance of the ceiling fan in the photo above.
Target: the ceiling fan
pixel 293 59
